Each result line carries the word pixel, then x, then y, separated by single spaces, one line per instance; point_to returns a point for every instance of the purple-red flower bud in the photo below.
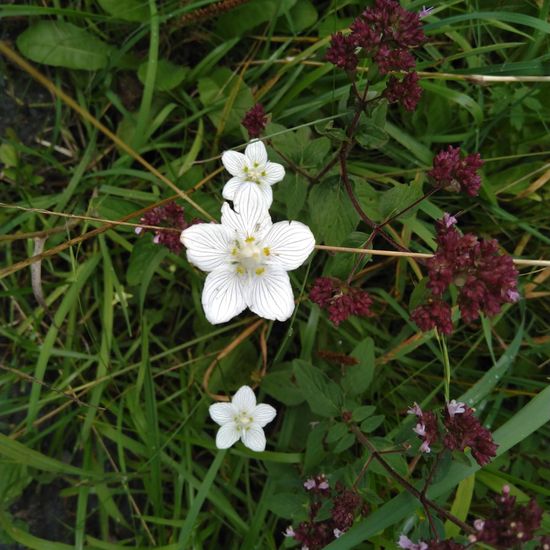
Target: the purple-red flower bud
pixel 255 121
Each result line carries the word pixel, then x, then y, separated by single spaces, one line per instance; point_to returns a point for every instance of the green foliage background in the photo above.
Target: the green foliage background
pixel 101 403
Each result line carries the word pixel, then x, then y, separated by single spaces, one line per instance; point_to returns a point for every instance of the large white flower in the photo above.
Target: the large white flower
pixel 247 257
pixel 251 170
pixel 243 419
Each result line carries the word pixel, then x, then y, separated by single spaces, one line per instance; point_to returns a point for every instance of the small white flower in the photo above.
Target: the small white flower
pixel 252 169
pixel 242 419
pixel 289 532
pixel 415 409
pixel 310 484
pixel 455 407
pixel 247 257
pixel 420 429
pixel 408 544
pixel 337 533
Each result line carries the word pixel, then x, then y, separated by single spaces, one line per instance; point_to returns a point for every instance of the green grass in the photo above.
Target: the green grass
pixel 102 402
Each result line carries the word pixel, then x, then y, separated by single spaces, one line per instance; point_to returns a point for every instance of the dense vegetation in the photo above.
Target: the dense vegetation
pixel 119 111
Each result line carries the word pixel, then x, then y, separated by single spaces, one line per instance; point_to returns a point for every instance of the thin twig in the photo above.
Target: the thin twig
pixel 426 502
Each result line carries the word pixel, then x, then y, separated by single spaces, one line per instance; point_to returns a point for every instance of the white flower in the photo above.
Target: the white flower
pixel 251 170
pixel 247 257
pixel 455 407
pixel 243 419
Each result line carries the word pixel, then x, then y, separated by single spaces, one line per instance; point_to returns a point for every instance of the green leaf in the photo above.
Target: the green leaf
pixel 8 155
pixel 345 443
pixel 399 197
pixel 419 295
pixel 333 217
pixel 357 378
pixel 63 44
pixel 293 191
pixel 216 90
pixel 370 424
pixel 336 432
pixel 279 385
pixel 372 133
pixel 129 10
pixel 322 394
pixel 360 413
pixel 288 505
pixel 461 505
pixel 490 379
pixel 168 75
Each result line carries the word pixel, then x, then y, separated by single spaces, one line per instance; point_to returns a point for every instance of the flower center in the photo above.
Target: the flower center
pixel 243 420
pixel 249 256
pixel 255 173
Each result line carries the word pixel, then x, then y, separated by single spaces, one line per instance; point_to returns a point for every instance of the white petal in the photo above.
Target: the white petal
pixel 255 153
pixel 264 192
pixel 263 414
pixel 274 173
pixel 227 435
pixel 244 400
pixel 234 162
pixel 289 243
pixel 208 245
pixel 254 438
pixel 250 216
pixel 222 413
pixel 231 187
pixel 270 294
pixel 223 296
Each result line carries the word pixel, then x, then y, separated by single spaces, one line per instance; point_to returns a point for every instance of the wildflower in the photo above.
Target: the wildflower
pixel 485 278
pixel 344 509
pixel 408 544
pixel 255 121
pixel 425 12
pixel 426 428
pixel 405 542
pixel 405 91
pixel 289 532
pixel 340 299
pixel 318 484
pixel 342 52
pixel 465 430
pixel 247 258
pixel 454 173
pixel 251 170
pixel 170 216
pixel 242 419
pixel 510 525
pixel 434 314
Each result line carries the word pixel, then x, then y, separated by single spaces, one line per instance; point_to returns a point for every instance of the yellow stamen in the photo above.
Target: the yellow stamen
pixel 240 270
pixel 249 240
pixel 266 251
pixel 260 270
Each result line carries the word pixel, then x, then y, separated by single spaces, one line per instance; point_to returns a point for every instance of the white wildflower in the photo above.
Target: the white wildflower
pixel 247 257
pixel 242 419
pixel 251 170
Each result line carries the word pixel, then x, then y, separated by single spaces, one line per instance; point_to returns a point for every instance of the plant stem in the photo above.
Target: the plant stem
pixel 291 163
pixel 423 499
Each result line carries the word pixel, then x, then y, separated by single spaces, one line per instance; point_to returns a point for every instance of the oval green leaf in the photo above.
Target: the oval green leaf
pixel 63 44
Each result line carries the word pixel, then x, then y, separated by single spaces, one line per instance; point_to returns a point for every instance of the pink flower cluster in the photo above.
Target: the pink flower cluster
pixel 462 430
pixel 485 278
pixel 255 121
pixel 385 33
pixel 455 173
pixel 340 299
pixel 314 533
pixel 170 216
pixel 510 525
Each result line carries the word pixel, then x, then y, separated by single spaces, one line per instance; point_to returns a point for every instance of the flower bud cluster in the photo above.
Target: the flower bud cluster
pixel 170 216
pixel 509 525
pixel 255 121
pixel 485 279
pixel 314 533
pixel 454 173
pixel 461 430
pixel 385 33
pixel 340 300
